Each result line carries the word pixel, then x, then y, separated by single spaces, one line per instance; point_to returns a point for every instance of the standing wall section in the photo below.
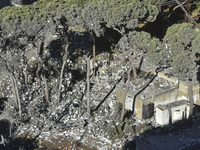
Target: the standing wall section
pixel 184 92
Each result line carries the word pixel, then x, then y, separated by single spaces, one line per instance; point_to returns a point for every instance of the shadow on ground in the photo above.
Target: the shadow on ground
pixel 20 143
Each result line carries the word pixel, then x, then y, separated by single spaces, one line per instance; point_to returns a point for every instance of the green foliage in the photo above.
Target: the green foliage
pixel 92 15
pixel 114 13
pixel 81 3
pixel 196 42
pixel 179 47
pixel 179 38
pixel 73 16
pixel 143 41
pixel 128 13
pixel 26 13
pixel 153 2
pixel 183 64
pixel 38 9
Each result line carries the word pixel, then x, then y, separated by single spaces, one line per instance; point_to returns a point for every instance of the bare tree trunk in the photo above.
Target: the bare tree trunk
pixel 134 69
pixel 14 82
pixel 124 100
pixel 25 78
pixel 13 90
pixel 88 85
pixel 10 130
pixel 123 76
pixel 39 66
pixel 46 89
pixel 191 99
pixel 18 98
pixel 94 53
pixel 39 52
pixel 62 70
pixel 61 77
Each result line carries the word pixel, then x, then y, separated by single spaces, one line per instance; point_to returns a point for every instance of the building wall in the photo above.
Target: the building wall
pixel 169 96
pixel 183 88
pixel 138 107
pixel 165 97
pixel 120 94
pixel 144 108
pixel 184 92
pixel 196 94
pixel 179 113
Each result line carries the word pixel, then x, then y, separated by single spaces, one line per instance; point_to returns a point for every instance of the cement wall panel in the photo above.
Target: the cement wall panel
pixel 120 93
pixel 165 98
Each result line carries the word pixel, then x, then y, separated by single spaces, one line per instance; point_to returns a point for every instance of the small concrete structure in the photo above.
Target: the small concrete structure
pixel 172 112
pixel 144 95
pixel 162 115
pixel 180 111
pixel 164 89
pixel 183 90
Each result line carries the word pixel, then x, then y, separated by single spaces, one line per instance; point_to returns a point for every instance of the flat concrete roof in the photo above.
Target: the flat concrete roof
pixel 176 103
pixel 145 89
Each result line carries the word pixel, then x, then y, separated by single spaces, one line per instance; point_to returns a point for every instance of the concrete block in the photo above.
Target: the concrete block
pixel 162 115
pixel 180 113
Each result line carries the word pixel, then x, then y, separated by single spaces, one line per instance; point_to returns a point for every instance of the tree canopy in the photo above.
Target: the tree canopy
pixel 179 49
pixel 122 14
pixel 93 18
